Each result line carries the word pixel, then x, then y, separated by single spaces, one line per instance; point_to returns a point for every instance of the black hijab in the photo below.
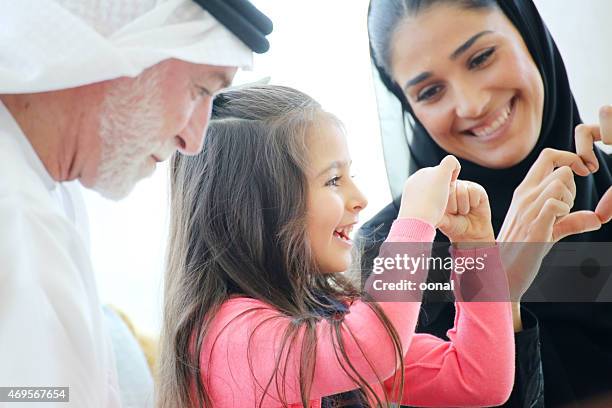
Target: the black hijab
pixel 559 119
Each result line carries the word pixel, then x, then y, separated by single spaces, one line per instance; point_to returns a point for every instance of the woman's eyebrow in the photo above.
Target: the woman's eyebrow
pixel 466 45
pixel 419 78
pixel 460 50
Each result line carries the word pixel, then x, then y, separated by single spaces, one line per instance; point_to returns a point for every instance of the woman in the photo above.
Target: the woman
pixel 483 80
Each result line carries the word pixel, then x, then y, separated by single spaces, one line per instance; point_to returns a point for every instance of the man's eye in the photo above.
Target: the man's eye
pixel 428 93
pixel 333 181
pixel 204 91
pixel 480 59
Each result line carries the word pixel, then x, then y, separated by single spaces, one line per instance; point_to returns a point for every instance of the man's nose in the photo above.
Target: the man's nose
pixel 191 139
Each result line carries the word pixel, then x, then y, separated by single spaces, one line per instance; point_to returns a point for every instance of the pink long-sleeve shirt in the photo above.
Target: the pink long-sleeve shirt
pixel 474 368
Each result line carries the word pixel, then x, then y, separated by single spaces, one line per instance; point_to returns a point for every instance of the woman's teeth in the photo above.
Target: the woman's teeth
pixel 499 122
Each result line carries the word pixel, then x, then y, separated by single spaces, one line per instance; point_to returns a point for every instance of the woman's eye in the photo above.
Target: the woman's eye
pixel 333 181
pixel 428 93
pixel 480 59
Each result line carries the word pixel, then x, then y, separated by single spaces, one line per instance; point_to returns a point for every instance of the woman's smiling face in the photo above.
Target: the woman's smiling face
pixel 471 81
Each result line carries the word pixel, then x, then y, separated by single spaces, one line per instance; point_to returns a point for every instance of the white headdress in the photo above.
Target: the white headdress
pixel 57 44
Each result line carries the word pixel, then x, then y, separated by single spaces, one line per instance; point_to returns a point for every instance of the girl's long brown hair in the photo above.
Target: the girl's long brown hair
pixel 238 228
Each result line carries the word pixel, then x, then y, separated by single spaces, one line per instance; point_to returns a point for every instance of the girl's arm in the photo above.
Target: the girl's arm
pixel 238 358
pixel 476 367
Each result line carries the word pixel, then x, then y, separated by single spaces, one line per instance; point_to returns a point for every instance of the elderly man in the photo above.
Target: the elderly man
pixel 96 92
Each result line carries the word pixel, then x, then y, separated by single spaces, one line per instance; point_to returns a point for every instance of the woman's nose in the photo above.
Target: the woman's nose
pixel 470 101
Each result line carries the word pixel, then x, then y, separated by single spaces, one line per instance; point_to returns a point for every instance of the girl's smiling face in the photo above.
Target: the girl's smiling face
pixel 334 201
pixel 471 81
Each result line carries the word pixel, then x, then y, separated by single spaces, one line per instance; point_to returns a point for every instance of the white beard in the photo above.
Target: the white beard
pixel 131 124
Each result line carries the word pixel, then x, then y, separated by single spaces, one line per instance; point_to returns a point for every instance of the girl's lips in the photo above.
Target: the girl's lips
pixel 345 230
pixel 342 233
pixel 343 239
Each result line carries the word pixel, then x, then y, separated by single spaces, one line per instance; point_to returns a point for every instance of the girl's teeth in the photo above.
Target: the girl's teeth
pixel 342 235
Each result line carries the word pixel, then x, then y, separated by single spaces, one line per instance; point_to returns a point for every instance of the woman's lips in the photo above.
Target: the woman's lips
pixel 496 126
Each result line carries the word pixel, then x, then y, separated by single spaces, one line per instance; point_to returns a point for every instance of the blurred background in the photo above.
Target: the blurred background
pixel 321 48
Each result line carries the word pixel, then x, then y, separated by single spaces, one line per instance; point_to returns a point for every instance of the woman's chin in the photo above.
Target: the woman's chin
pixel 500 159
pixel 497 157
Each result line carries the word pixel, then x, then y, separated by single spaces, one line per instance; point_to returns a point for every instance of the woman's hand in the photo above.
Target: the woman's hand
pixel 541 204
pixel 539 216
pixel 467 218
pixel 586 136
pixel 426 192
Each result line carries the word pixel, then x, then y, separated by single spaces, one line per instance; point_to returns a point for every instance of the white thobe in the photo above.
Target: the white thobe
pixel 51 324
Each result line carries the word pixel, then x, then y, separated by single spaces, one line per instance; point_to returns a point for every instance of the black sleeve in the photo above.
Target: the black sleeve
pixel 528 391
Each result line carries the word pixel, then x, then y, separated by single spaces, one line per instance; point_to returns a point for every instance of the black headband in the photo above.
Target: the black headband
pixel 244 20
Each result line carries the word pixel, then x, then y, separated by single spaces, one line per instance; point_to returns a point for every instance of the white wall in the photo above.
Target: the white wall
pixel 583 33
pixel 320 47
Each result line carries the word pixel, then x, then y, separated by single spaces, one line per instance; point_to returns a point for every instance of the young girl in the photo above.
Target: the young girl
pixel 256 311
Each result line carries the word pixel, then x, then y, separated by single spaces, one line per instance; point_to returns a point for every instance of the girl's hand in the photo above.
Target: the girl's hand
pixel 468 215
pixel 539 216
pixel 586 136
pixel 426 192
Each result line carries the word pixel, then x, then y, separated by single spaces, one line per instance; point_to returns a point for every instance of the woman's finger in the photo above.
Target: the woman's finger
pixel 604 207
pixel 555 190
pixel 585 136
pixel 575 223
pixel 542 228
pixel 605 123
pixel 550 159
pixel 563 174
